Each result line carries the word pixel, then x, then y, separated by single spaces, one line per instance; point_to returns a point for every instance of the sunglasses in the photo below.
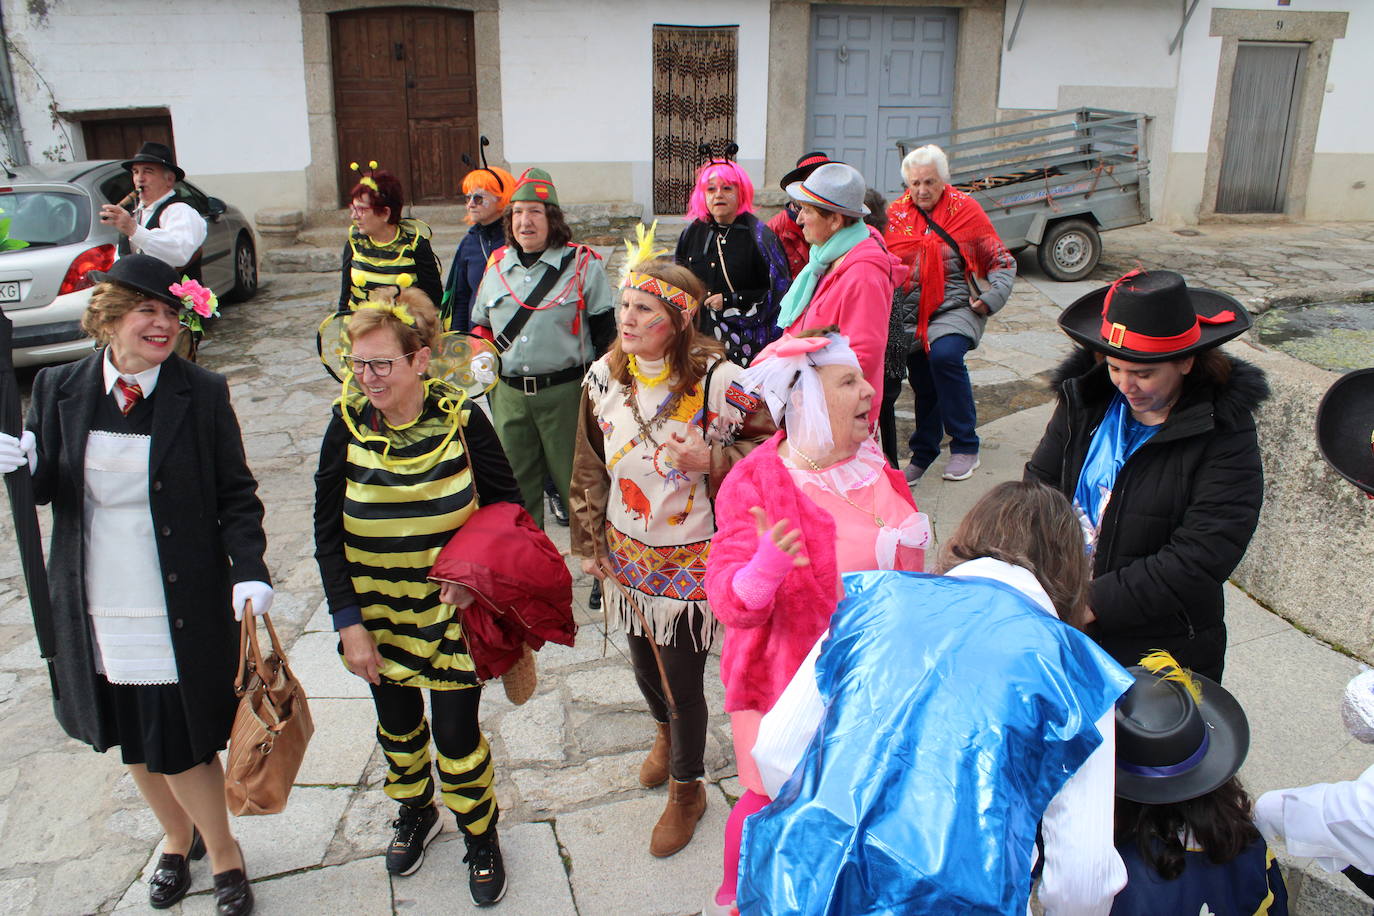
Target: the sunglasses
pixel 479 199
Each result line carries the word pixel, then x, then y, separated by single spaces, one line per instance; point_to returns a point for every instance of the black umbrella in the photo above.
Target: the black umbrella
pixel 20 486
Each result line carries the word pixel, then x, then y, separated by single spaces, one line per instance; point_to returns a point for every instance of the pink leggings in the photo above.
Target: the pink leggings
pixel 744 727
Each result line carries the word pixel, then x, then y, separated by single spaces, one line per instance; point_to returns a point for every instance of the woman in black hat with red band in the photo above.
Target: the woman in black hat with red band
pixel 1153 441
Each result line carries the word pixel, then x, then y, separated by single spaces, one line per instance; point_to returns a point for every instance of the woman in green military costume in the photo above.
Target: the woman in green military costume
pixel 405 460
pixel 382 248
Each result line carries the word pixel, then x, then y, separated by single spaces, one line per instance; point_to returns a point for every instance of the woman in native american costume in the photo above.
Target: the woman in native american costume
pixel 662 421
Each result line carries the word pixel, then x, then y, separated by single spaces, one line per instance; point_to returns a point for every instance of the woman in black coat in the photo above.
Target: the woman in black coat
pixel 157 543
pixel 1154 441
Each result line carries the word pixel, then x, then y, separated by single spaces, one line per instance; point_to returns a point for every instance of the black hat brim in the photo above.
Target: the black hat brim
pixel 1083 322
pixel 1228 743
pixel 1345 418
pixel 128 165
pixel 801 173
pixel 103 276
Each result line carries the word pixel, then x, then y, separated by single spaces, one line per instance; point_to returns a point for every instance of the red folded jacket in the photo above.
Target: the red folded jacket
pixel 523 587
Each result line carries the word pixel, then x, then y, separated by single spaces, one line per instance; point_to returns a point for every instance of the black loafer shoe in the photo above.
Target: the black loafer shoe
pixel 233 893
pixel 559 511
pixel 172 877
pixel 170 881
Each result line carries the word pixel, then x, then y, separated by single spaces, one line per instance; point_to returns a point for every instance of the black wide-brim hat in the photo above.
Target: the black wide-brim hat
pixel 1152 316
pixel 1170 748
pixel 157 153
pixel 142 273
pixel 806 164
pixel 1345 428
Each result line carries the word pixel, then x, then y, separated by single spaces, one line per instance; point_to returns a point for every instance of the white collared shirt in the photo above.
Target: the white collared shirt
pixel 145 380
pixel 180 232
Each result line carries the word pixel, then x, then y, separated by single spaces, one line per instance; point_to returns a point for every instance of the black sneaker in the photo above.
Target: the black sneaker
pixel 486 870
pixel 594 600
pixel 415 827
pixel 557 509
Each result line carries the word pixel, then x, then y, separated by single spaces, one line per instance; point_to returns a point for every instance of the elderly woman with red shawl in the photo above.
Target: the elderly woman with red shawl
pixel 960 274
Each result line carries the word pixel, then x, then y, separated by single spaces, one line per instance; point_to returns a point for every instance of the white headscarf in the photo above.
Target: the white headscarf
pixel 784 375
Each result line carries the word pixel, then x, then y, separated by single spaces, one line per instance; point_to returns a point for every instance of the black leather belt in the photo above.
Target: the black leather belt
pixel 533 384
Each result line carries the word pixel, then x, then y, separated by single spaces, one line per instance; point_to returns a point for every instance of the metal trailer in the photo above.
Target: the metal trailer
pixel 1055 181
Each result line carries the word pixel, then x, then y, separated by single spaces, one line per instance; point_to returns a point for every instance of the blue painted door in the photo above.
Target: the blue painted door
pixel 878 74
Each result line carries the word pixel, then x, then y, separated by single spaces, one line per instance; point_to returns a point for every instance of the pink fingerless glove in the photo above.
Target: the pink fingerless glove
pixel 757 581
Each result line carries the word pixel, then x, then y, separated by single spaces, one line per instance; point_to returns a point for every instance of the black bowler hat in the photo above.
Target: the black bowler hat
pixel 1173 745
pixel 158 153
pixel 142 273
pixel 1150 316
pixel 806 164
pixel 1345 428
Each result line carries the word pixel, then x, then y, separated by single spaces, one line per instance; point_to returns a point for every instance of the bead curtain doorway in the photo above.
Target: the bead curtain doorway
pixel 695 73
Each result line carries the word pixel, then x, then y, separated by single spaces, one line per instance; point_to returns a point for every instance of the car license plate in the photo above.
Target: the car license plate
pixel 9 291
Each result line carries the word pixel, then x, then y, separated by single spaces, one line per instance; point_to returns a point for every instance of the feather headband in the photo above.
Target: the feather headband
pixel 642 250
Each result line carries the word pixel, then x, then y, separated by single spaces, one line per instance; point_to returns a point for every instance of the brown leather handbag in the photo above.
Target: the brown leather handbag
pixel 271 729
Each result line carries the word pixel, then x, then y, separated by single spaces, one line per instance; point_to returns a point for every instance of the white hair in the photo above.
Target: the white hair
pixel 926 155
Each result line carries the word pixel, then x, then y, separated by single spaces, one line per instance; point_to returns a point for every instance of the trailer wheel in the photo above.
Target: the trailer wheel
pixel 1069 250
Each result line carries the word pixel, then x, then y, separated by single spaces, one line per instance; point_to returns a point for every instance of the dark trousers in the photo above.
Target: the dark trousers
pixel 887 419
pixel 944 400
pixel 685 670
pixel 465 767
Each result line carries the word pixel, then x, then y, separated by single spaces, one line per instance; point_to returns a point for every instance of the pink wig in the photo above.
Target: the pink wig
pixel 728 172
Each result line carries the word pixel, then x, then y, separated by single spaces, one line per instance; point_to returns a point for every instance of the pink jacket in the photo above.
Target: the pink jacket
pixel 764 648
pixel 856 295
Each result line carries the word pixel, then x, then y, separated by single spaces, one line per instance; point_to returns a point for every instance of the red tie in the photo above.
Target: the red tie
pixel 132 394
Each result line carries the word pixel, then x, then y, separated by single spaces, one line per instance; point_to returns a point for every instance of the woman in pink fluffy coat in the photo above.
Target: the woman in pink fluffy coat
pixel 833 506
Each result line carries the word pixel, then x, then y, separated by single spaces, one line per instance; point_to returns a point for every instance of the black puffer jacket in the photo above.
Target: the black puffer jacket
pixel 1181 514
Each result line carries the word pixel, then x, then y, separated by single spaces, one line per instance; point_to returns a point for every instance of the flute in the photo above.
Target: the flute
pixel 129 201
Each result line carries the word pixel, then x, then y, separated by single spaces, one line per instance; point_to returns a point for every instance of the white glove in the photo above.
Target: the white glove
pixel 14 453
pixel 260 593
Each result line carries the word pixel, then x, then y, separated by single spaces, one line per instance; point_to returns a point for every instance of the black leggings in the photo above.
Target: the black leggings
pixel 686 670
pixel 464 760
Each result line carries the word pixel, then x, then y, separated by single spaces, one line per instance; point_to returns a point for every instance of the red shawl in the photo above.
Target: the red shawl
pixel 960 216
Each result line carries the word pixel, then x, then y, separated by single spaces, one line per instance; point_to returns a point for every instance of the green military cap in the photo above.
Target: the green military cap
pixel 535 185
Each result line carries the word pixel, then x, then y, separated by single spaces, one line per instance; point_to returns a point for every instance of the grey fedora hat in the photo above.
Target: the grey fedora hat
pixel 833 186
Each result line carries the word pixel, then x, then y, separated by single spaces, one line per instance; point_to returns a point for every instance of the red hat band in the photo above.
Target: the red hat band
pixel 1118 335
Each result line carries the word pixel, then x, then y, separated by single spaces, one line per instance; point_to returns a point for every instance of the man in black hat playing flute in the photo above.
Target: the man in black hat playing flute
pixel 160 224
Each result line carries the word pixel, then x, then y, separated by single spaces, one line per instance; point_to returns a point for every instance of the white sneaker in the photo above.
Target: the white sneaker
pixel 961 467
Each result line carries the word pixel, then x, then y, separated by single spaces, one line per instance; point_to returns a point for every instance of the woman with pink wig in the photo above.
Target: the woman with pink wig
pixel 737 257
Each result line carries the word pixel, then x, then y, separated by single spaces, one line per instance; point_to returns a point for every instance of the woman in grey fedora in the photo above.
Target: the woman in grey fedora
pixel 157 545
pixel 850 278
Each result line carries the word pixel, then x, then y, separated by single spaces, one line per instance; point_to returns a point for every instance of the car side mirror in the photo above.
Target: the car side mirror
pixel 217 207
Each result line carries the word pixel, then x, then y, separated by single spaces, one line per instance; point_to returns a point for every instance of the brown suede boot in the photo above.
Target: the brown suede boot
pixel 686 804
pixel 653 771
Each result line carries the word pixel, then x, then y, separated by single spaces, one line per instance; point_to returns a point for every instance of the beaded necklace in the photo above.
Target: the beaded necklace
pixel 633 362
pixel 877 519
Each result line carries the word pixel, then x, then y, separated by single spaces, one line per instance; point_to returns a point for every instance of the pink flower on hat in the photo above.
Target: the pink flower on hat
pixel 787 345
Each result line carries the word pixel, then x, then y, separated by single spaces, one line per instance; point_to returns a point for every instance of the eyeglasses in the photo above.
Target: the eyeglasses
pixel 793 207
pixel 356 209
pixel 478 199
pixel 381 366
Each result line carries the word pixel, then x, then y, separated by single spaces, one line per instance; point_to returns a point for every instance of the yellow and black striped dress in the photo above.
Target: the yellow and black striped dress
pixel 408 260
pixel 406 492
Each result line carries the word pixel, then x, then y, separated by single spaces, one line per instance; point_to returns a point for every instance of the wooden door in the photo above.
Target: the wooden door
pixel 877 75
pixel 118 137
pixel 405 94
pixel 1259 128
pixel 695 73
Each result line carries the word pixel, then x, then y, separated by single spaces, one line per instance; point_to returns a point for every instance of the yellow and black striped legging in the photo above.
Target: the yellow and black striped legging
pixel 465 767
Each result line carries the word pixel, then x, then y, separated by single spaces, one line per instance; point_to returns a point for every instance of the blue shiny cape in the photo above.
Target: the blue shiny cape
pixel 955 710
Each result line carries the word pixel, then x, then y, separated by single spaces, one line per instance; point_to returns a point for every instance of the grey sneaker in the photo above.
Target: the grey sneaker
pixel 913 472
pixel 961 467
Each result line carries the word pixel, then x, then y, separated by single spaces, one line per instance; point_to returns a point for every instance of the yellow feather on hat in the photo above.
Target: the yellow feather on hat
pixel 1161 663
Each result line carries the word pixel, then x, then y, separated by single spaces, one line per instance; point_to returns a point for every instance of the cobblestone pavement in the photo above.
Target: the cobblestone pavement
pixel 75 838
